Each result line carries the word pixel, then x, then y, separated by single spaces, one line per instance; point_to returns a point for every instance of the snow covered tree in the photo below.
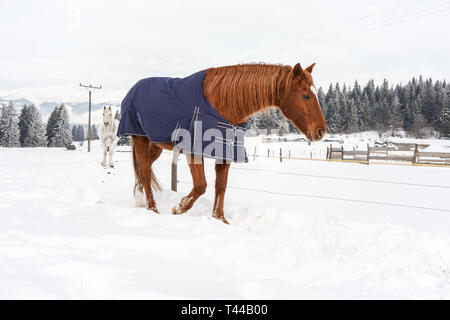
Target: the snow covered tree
pixel 78 133
pixel 32 132
pixel 74 133
pixel 364 113
pixel 444 116
pixel 58 132
pixel 352 118
pixel 333 115
pixel 9 127
pixel 322 100
pixel 395 116
pixel 94 133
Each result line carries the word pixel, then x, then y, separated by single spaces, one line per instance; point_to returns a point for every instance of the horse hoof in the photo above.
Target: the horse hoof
pixel 153 209
pixel 177 210
pixel 221 218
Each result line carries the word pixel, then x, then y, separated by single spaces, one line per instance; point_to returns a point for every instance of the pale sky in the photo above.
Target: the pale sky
pixel 50 46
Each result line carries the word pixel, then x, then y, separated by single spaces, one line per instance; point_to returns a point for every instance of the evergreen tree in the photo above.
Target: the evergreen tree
pixel 322 100
pixel 364 113
pixel 51 125
pixel 333 116
pixel 444 116
pixel 352 119
pixel 80 133
pixel 94 133
pixel 9 127
pixel 429 105
pixel 32 132
pixel 395 116
pixel 58 132
pixel 75 133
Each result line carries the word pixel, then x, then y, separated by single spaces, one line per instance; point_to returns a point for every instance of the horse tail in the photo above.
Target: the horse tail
pixel 138 183
pixel 155 184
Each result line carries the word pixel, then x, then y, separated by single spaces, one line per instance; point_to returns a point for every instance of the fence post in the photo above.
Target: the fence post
pixel 368 153
pixel 268 153
pixel 342 152
pixel 416 154
pixel 281 155
pixel 289 153
pixel 175 156
pixel 327 152
pixel 254 154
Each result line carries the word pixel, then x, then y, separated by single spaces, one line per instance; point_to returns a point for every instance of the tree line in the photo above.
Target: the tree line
pixel 27 129
pixel 418 107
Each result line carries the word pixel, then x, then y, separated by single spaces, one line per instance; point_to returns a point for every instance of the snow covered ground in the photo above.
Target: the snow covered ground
pixel 69 229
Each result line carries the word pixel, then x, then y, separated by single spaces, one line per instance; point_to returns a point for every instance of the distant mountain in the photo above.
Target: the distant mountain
pixel 78 110
pixel 17 103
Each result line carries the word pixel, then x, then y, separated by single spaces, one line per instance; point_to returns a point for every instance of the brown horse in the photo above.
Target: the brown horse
pixel 236 92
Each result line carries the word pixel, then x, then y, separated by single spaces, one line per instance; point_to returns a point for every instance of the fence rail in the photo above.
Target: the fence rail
pixel 403 153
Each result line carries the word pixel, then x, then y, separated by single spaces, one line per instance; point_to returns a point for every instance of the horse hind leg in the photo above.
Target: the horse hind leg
pixel 221 185
pixel 144 154
pixel 199 186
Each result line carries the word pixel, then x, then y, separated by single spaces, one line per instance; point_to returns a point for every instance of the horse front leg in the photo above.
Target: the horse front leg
pixel 112 147
pixel 221 185
pixel 199 185
pixel 105 152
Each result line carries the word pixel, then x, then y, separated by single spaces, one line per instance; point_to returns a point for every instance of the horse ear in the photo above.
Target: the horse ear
pixel 109 107
pixel 310 68
pixel 104 107
pixel 298 71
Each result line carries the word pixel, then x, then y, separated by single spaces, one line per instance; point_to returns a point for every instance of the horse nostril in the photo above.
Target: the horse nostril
pixel 319 133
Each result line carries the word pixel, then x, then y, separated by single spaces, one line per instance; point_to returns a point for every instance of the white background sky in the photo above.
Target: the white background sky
pixel 51 46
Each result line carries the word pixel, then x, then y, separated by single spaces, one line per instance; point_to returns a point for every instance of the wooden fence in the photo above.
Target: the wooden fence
pixel 404 153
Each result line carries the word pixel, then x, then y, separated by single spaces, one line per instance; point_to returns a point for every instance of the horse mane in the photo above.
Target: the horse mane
pixel 241 90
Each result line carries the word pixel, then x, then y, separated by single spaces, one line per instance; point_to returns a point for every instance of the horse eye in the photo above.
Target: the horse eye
pixel 306 96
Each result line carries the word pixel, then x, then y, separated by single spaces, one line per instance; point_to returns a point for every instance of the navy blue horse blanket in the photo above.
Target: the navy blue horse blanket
pixel 175 110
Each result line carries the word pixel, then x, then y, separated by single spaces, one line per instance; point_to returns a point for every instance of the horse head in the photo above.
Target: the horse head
pixel 107 115
pixel 301 105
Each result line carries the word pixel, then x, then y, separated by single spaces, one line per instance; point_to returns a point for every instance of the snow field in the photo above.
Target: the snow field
pixel 69 229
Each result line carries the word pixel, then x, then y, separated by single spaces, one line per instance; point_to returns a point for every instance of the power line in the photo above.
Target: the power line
pixel 332 26
pixel 420 12
pixel 343 178
pixel 394 20
pixel 346 178
pixel 334 198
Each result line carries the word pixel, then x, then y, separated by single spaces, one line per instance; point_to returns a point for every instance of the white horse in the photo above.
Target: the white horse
pixel 108 135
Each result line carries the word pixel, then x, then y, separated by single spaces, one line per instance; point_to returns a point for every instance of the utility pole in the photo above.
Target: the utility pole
pixel 89 87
